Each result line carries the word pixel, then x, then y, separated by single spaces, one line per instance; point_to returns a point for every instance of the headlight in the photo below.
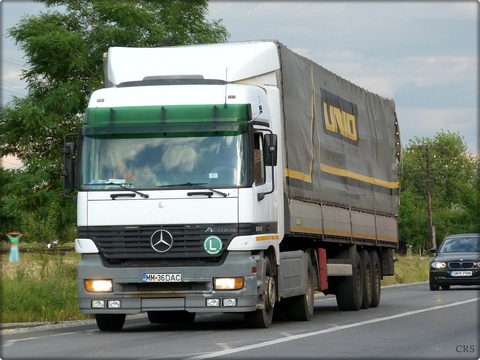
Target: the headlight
pixel 228 283
pixel 438 265
pixel 98 285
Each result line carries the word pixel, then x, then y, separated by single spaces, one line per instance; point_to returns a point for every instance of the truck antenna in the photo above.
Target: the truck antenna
pixel 226 83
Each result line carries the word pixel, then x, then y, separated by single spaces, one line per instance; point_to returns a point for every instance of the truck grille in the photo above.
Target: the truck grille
pixel 130 245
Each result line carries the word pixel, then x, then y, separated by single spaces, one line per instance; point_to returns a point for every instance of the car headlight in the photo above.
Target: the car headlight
pixel 438 265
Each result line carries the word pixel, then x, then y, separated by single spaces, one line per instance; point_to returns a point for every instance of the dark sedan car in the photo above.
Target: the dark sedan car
pixel 456 262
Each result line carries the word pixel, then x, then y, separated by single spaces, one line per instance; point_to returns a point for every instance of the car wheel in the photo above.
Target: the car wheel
pixel 433 286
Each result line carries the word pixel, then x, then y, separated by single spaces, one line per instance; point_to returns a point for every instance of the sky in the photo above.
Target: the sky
pixel 423 55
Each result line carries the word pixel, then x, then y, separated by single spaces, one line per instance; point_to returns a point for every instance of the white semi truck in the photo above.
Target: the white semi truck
pixel 236 177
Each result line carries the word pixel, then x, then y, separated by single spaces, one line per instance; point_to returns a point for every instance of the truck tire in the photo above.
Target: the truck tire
pixel 262 318
pixel 181 316
pixel 376 278
pixel 110 322
pixel 367 279
pixel 350 288
pixel 300 308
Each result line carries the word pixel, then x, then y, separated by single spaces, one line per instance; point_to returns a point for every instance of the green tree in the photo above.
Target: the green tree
pixel 64 51
pixel 454 187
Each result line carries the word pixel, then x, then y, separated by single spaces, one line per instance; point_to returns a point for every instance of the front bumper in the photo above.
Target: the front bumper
pixel 191 294
pixel 444 277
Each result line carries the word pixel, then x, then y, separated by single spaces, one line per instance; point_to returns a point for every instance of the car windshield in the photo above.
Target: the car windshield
pixel 156 162
pixel 460 244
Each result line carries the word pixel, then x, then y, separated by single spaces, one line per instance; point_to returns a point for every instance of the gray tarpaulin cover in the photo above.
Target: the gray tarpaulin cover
pixel 342 141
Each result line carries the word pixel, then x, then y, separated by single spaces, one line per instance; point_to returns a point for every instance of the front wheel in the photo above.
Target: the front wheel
pixel 262 318
pixel 110 322
pixel 433 285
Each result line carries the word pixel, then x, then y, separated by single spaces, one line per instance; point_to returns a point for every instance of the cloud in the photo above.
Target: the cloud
pixel 426 122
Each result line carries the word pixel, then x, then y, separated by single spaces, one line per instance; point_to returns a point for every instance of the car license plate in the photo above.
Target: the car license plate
pixel 461 273
pixel 162 277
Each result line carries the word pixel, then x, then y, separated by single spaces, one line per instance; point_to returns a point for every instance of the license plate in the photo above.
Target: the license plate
pixel 461 273
pixel 162 277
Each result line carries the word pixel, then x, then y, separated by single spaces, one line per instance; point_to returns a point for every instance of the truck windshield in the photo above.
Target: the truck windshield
pixel 143 162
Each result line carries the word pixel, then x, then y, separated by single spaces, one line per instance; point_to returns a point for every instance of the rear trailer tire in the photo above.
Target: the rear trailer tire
pixel 376 278
pixel 262 318
pixel 350 288
pixel 367 279
pixel 110 322
pixel 300 308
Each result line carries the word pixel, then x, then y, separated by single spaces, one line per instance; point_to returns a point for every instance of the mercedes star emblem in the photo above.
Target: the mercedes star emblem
pixel 161 241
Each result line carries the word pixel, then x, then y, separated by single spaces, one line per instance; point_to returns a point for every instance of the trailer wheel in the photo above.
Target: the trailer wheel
pixel 300 308
pixel 350 288
pixel 110 322
pixel 181 316
pixel 262 318
pixel 367 279
pixel 376 278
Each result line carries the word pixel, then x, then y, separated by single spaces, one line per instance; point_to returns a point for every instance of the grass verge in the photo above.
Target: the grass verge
pixel 41 287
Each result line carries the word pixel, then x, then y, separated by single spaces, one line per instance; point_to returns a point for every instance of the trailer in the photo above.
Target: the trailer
pixel 235 177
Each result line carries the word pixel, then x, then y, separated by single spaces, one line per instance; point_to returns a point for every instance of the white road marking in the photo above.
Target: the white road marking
pixel 319 332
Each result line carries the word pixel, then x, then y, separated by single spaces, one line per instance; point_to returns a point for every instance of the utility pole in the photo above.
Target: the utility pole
pixel 431 240
pixel 428 169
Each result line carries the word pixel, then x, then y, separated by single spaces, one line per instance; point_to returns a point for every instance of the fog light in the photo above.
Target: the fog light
pixel 114 304
pixel 98 285
pixel 98 304
pixel 229 302
pixel 228 283
pixel 213 302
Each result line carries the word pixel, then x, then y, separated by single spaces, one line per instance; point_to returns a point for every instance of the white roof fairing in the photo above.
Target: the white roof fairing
pixel 228 61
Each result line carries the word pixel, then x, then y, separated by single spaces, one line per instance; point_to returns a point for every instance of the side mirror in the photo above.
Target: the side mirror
pixel 69 166
pixel 269 159
pixel 270 149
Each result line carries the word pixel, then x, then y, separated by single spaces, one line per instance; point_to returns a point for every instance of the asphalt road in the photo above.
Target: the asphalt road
pixel 411 323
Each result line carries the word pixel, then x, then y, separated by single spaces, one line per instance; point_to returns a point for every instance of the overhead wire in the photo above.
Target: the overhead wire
pixel 10 87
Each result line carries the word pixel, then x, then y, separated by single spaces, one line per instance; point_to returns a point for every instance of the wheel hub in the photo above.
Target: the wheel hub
pixel 270 292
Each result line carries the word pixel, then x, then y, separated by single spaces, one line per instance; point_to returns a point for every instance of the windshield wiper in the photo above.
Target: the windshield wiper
pixel 197 185
pixel 143 195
